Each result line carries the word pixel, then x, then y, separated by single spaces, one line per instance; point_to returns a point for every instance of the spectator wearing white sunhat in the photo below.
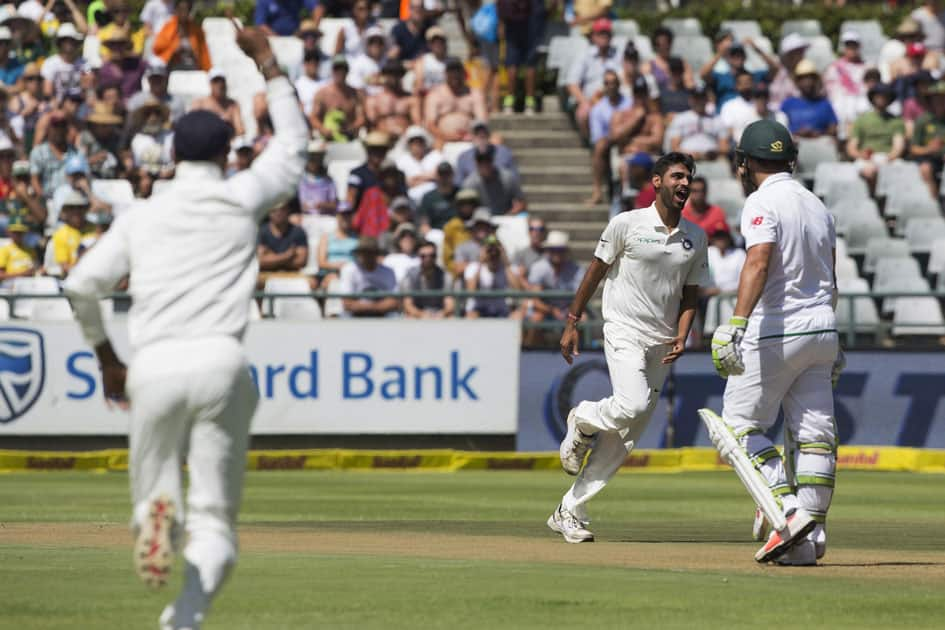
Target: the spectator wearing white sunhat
pixel 555 271
pixel 67 69
pixel 365 72
pixel 220 103
pixel 419 163
pixel 791 51
pixel 843 81
pixel 430 70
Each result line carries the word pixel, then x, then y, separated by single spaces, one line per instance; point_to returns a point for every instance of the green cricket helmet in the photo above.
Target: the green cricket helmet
pixel 766 140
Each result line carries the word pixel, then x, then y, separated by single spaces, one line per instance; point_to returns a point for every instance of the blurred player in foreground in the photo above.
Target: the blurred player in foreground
pixel 654 261
pixel 190 254
pixel 780 350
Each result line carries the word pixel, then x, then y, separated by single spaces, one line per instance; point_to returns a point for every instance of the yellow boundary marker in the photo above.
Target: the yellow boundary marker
pixel 883 458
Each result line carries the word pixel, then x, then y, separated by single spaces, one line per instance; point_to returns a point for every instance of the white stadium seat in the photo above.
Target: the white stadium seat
pixel 4 310
pixel 814 151
pixel 898 175
pixel 805 28
pixel 918 316
pixel 937 257
pixel 865 315
pixel 884 247
pixel 51 310
pixel 820 51
pixel 315 226
pixel 859 232
pixel 626 28
pixel 304 307
pixel 713 169
pixel 345 151
pixel 826 173
pixel 220 27
pixel 339 171
pixel 452 151
pixel 512 232
pixel 922 232
pixel 682 27
pixel 188 84
pixel 37 285
pixel 742 29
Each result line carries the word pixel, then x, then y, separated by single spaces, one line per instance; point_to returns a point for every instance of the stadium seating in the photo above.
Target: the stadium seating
pixel 683 27
pixel 859 233
pixel 898 174
pixel 35 285
pixel 937 257
pixel 728 195
pixel 4 310
pixel 452 151
pixel 755 62
pixel 303 307
pixel 897 274
pixel 713 169
pixel 884 247
pixel 92 51
pixel 694 49
pixel 922 232
pixel 864 313
pixel 338 171
pixel 813 151
pixel 188 84
pixel 118 193
pixel 288 51
pixel 742 29
pixel 351 151
pixel 846 267
pixel 820 52
pixel 626 28
pixel 826 174
pixel 315 226
pixel 851 214
pixel 718 309
pixel 644 47
pixel 847 190
pixel 805 28
pixel 330 28
pixel 51 310
pixel 918 316
pixel 220 27
pixel 512 231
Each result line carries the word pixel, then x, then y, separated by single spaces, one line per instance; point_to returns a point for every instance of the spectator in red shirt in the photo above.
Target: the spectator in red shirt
pixel 700 211
pixel 638 191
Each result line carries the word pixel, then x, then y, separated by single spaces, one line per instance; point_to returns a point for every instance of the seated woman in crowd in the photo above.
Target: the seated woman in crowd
pixel 335 250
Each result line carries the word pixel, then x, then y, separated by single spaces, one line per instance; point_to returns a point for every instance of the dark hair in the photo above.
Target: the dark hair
pixel 630 53
pixel 872 75
pixel 312 55
pixel 676 65
pixel 702 180
pixel 742 73
pixel 671 159
pixel 662 31
pixel 425 243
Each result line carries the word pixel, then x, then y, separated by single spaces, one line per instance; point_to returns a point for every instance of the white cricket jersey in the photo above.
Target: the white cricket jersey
pixel 799 288
pixel 191 250
pixel 650 265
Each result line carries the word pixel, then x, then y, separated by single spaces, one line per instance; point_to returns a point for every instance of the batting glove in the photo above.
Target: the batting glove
pixel 838 366
pixel 726 347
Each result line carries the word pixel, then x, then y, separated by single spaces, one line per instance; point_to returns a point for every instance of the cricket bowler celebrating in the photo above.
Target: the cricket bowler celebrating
pixel 654 261
pixel 780 350
pixel 190 254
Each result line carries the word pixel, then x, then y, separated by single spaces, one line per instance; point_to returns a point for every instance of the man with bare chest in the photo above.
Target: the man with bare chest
pixel 392 110
pixel 337 111
pixel 451 108
pixel 219 103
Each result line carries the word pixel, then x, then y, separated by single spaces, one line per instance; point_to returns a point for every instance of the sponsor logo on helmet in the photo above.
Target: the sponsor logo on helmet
pixel 777 146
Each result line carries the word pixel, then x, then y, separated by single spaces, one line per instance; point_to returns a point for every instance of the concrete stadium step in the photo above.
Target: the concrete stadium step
pixel 589 231
pixel 517 139
pixel 552 175
pixel 543 157
pixel 582 250
pixel 539 122
pixel 559 194
pixel 570 213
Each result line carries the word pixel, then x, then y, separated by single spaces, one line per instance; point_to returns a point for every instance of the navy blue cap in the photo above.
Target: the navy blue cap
pixel 201 136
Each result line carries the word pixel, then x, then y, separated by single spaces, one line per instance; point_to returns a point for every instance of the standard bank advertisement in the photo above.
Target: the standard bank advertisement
pixel 332 377
pixel 883 398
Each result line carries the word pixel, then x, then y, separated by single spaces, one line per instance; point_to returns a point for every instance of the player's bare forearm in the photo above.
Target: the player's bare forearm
pixel 752 281
pixel 687 310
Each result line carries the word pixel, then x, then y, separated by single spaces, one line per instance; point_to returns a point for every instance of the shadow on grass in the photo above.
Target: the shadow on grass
pixel 883 564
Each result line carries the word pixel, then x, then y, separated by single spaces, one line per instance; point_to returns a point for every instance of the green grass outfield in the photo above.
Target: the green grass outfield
pixel 471 550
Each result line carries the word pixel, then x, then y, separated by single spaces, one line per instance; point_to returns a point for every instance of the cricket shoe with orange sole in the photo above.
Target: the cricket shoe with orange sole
pixel 799 524
pixel 154 546
pixel 760 527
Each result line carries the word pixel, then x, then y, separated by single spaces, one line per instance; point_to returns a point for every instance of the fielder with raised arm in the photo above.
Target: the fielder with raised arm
pixel 654 261
pixel 781 350
pixel 190 254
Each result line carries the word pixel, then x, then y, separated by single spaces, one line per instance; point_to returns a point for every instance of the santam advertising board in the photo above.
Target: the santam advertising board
pixel 334 377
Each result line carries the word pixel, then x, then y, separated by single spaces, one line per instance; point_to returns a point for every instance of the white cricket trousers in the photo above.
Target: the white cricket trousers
pixel 193 397
pixel 637 374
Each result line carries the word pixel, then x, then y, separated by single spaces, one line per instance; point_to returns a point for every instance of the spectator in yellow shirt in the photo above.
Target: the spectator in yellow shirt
pixel 68 237
pixel 16 258
pixel 455 232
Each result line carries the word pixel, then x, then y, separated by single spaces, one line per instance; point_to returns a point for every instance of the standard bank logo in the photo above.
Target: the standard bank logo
pixel 22 371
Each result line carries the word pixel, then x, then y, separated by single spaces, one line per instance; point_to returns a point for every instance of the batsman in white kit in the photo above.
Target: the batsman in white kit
pixel 781 350
pixel 190 254
pixel 654 261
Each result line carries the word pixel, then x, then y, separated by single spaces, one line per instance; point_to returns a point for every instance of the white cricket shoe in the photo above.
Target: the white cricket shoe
pixel 819 536
pixel 803 554
pixel 799 524
pixel 568 525
pixel 574 447
pixel 760 527
pixel 154 546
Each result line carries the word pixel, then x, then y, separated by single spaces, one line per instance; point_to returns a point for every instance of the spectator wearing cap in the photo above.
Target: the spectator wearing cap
pixel 928 139
pixel 791 51
pixel 409 35
pixel 317 192
pixel 639 128
pixel 77 179
pixel 72 229
pixel 893 52
pixel 586 78
pixel 400 210
pixel 243 157
pixel 311 79
pixel 450 109
pixel 583 14
pixel 877 137
pixel 219 102
pixel 126 42
pixel 11 67
pixel 392 110
pixel 154 14
pixel 67 69
pixel 491 271
pixel 498 189
pixel 122 66
pixel 810 115
pixel 22 203
pixel 456 231
pixel 352 37
pixel 843 81
pixel 913 71
pixel 338 109
pixel 699 210
pixel 438 205
pixel 152 139
pixel 723 81
pixel 430 69
pixel 659 66
pixel 402 256
pixel 740 111
pixel 281 17
pixel 480 226
pixel 637 189
pixel 17 258
pixel 48 160
pixel 156 77
pixel 379 204
pixel 99 141
pixel 427 276
pixel 524 258
pixel 482 139
pixel 524 25
pixel 365 73
pixel 181 43
pixel 555 271
pixel 282 247
pixel 674 96
pixel 419 163
pixel 29 103
pixel 368 175
pixel 336 249
pixel 930 17
pixel 311 37
pixel 612 101
pixel 366 275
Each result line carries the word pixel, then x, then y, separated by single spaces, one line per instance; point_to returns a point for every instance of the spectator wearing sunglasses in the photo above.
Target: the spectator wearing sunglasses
pixel 523 259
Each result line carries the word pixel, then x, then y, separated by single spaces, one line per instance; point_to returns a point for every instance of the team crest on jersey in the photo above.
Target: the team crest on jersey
pixel 22 371
pixel 686 244
pixel 777 146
